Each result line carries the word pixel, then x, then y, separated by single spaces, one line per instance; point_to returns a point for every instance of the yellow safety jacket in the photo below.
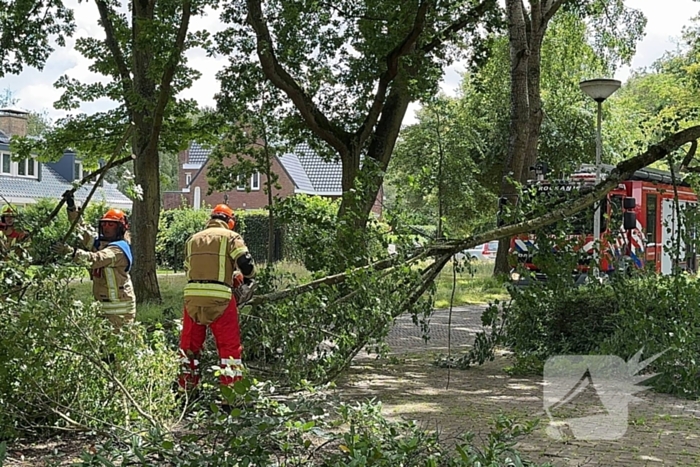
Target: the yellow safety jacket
pixel 111 282
pixel 210 262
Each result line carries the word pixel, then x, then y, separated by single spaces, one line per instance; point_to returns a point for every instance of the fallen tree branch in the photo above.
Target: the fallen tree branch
pixel 328 280
pixel 623 171
pixel 445 250
pixel 689 155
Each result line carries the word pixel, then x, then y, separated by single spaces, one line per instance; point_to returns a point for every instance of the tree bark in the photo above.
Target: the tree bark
pixel 535 28
pixel 146 100
pixel 145 217
pixel 383 142
pixel 146 211
pixel 519 115
pixel 535 105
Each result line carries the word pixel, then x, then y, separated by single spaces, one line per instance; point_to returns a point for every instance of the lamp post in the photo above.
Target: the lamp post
pixel 599 90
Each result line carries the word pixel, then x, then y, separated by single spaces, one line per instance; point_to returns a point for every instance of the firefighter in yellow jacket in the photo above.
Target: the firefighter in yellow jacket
pixel 109 258
pixel 213 257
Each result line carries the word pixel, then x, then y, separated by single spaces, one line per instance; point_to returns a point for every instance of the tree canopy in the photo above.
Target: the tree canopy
pixel 350 69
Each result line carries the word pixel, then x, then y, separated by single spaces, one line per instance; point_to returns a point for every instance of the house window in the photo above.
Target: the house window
pixel 6 167
pixel 255 181
pixel 23 168
pixel 241 183
pixel 78 171
pixel 188 179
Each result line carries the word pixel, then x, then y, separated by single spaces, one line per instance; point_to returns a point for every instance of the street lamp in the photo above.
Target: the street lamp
pixel 599 90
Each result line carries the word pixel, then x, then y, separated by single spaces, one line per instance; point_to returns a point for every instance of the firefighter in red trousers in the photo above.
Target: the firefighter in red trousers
pixel 213 257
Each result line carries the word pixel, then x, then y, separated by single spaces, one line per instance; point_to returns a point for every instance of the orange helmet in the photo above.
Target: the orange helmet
pixel 225 213
pixel 118 216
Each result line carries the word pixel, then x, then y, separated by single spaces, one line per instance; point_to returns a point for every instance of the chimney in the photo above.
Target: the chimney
pixel 14 121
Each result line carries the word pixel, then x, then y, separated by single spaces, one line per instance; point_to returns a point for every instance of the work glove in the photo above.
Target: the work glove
pixel 244 292
pixel 70 200
pixel 61 249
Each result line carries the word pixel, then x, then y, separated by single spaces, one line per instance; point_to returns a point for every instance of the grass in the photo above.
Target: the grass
pixel 472 287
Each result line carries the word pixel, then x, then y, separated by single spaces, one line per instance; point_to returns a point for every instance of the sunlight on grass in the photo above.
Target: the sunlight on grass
pixel 471 287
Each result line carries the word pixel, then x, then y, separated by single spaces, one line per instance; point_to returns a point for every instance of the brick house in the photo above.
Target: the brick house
pixel 26 181
pixel 300 172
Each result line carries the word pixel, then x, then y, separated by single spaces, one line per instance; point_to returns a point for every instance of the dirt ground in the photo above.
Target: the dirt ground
pixel 661 431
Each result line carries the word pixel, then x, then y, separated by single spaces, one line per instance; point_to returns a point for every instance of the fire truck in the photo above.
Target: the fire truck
pixel 638 222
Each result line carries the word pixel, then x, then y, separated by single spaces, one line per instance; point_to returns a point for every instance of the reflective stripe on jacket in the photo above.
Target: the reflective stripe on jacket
pixel 108 264
pixel 111 283
pixel 210 261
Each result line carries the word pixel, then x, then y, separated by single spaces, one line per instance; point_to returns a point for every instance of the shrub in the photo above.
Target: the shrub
pixel 254 226
pixel 54 354
pixel 652 313
pixel 175 227
pixel 311 224
pixel 33 219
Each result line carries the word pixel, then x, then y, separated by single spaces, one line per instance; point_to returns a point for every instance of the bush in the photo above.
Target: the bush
pixel 651 313
pixel 311 225
pixel 54 353
pixel 175 227
pixel 255 228
pixel 33 219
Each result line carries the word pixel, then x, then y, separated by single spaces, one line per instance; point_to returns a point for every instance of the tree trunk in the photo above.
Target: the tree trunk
pixel 535 101
pixel 349 204
pixel 146 211
pixel 271 215
pixel 519 116
pixel 145 215
pixel 382 145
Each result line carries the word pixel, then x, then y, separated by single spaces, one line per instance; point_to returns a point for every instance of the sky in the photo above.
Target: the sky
pixel 35 91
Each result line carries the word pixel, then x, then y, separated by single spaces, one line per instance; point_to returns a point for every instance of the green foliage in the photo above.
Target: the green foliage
pixel 660 314
pixel 311 223
pixel 176 226
pixel 45 327
pixel 618 317
pixel 314 336
pixel 255 231
pixel 472 130
pixel 346 105
pixel 309 430
pixel 430 174
pixel 33 219
pixel 28 30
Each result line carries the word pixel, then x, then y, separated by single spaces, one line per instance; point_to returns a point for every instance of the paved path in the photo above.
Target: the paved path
pixel 465 323
pixel 662 430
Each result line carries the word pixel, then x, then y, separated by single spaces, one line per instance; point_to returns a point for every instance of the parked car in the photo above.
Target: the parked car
pixel 483 252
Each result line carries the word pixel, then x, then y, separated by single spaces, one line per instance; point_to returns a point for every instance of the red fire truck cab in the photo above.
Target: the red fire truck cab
pixel 647 240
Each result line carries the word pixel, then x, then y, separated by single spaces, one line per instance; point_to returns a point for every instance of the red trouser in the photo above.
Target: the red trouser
pixel 228 342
